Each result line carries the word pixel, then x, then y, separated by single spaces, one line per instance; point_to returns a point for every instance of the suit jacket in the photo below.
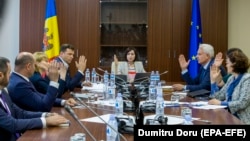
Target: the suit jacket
pixel 71 83
pixel 123 67
pixel 24 94
pixel 41 84
pixel 240 103
pixel 202 81
pixel 19 121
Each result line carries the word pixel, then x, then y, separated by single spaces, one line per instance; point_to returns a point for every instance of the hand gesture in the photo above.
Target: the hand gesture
pixel 55 120
pixel 116 60
pixel 183 63
pixel 62 71
pixel 81 64
pixel 178 87
pixel 215 75
pixel 218 59
pixel 71 102
pixel 53 72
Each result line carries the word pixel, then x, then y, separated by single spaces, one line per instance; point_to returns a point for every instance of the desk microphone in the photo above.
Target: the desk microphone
pixel 90 109
pixel 72 113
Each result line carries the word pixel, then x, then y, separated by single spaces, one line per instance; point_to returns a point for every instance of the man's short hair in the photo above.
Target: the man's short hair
pixel 208 49
pixel 64 47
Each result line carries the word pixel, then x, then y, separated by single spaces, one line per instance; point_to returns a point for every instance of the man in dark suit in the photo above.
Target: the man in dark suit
pixel 66 56
pixel 205 57
pixel 23 92
pixel 14 120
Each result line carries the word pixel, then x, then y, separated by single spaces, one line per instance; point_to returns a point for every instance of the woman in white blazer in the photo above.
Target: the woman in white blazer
pixel 131 66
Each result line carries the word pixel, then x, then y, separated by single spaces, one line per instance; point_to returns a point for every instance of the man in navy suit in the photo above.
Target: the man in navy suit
pixel 66 56
pixel 23 92
pixel 205 57
pixel 14 120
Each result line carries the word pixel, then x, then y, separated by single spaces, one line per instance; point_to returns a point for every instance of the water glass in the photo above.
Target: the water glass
pixel 186 111
pixel 175 99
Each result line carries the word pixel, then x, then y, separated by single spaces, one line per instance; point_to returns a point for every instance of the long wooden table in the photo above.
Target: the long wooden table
pixel 217 117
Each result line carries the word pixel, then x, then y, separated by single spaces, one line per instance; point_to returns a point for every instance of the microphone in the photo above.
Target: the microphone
pixel 163 72
pixel 72 113
pixel 90 109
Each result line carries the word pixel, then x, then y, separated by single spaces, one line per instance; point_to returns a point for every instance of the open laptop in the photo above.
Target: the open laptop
pixel 120 79
pixel 142 77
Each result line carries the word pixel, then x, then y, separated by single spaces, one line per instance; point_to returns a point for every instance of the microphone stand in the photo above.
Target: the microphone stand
pixel 84 104
pixel 72 113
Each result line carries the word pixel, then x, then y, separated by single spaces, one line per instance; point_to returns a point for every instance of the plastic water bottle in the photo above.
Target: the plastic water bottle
pixel 187 120
pixel 87 75
pixel 119 105
pixel 112 135
pixel 106 77
pixel 111 93
pixel 157 77
pixel 93 76
pixel 106 84
pixel 152 77
pixel 112 77
pixel 159 89
pixel 152 92
pixel 159 109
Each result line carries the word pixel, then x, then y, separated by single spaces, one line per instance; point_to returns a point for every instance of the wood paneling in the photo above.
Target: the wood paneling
pixel 168 29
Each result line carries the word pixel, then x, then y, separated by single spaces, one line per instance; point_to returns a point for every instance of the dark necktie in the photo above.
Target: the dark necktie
pixel 5 104
pixel 202 73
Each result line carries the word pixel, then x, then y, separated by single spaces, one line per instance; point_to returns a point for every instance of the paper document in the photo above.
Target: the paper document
pixel 96 87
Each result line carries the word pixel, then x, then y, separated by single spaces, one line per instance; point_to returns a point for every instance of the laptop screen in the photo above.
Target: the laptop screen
pixel 139 77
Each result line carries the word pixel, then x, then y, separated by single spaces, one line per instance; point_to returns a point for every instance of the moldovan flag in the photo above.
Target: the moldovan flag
pixel 51 44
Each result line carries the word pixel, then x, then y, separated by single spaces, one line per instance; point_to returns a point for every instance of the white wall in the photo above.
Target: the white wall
pixel 9 30
pixel 239 25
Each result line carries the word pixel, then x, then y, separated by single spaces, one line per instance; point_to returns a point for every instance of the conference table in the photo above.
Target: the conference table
pixel 98 130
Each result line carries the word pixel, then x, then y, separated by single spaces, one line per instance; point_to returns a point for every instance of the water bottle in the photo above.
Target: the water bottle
pixel 187 120
pixel 157 77
pixel 111 93
pixel 152 92
pixel 159 109
pixel 87 75
pixel 152 76
pixel 93 76
pixel 106 84
pixel 119 105
pixel 159 89
pixel 112 135
pixel 112 77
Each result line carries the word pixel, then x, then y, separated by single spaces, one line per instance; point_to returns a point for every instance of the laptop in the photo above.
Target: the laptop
pixel 120 79
pixel 139 77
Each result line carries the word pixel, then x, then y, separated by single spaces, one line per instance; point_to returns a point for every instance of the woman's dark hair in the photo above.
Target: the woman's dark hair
pixel 130 49
pixel 230 50
pixel 239 60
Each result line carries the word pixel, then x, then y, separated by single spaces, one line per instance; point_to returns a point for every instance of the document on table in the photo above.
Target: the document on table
pixel 205 105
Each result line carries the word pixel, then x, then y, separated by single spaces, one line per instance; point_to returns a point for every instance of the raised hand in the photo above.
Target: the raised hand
pixel 62 71
pixel 116 60
pixel 218 59
pixel 215 75
pixel 53 72
pixel 183 63
pixel 81 64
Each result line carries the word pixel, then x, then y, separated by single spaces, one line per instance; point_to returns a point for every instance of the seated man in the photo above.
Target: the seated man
pixel 14 120
pixel 23 92
pixel 65 57
pixel 204 56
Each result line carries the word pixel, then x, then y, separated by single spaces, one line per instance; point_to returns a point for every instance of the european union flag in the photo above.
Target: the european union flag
pixel 195 38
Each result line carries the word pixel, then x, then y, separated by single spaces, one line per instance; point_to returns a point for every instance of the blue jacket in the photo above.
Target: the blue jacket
pixel 41 84
pixel 202 81
pixel 74 82
pixel 25 95
pixel 19 121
